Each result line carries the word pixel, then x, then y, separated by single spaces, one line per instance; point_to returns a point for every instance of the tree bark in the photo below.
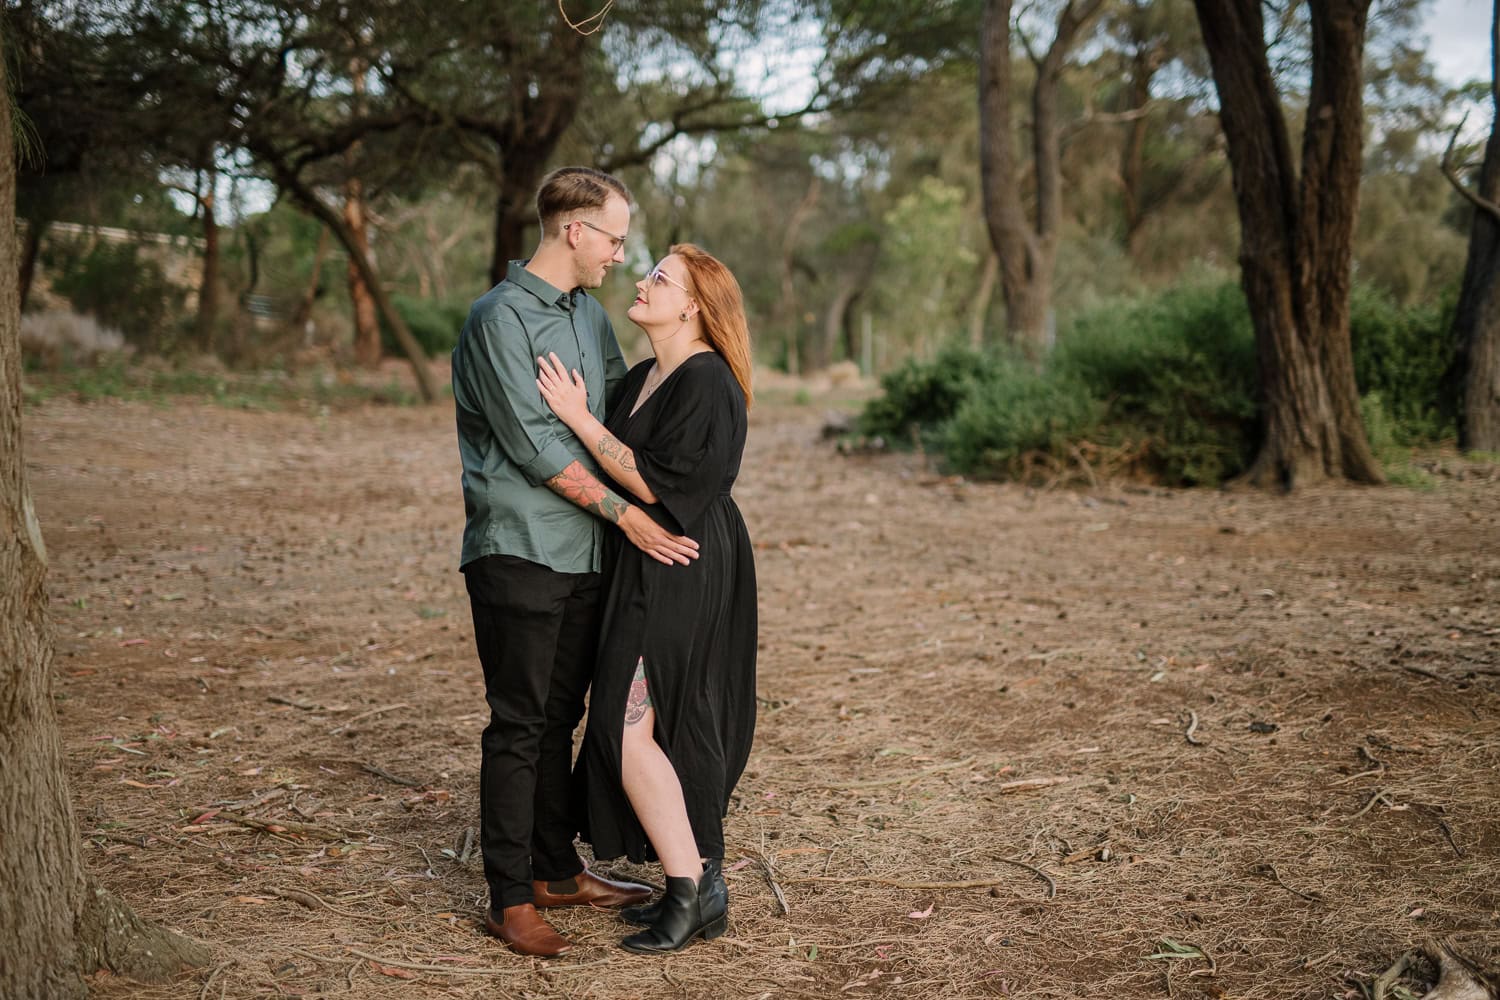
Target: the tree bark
pixel 56 926
pixel 314 282
pixel 36 230
pixel 545 100
pixel 1026 248
pixel 208 285
pixel 979 310
pixel 1476 321
pixel 366 322
pixel 305 196
pixel 785 311
pixel 1297 235
pixel 515 206
pixel 362 301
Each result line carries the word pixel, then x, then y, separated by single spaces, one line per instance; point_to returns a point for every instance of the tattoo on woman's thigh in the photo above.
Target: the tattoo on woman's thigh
pixel 639 700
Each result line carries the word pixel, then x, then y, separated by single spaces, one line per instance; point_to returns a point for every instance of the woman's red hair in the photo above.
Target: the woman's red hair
pixel 723 310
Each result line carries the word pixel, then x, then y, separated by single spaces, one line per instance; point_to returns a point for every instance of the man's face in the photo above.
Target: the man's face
pixel 600 242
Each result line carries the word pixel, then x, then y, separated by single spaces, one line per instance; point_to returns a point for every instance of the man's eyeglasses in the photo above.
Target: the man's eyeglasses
pixel 615 241
pixel 656 276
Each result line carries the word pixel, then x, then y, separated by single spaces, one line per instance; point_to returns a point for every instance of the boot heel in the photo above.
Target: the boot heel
pixel 715 929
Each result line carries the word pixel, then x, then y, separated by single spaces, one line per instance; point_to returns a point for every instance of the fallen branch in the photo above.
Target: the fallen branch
pixel 1448 832
pixel 313 901
pixel 203 993
pixel 770 872
pixel 284 826
pixel 1270 872
pixel 1029 784
pixel 306 706
pixel 909 776
pixel 1387 979
pixel 526 969
pixel 1192 728
pixel 978 883
pixel 1379 795
pixel 365 715
pixel 381 772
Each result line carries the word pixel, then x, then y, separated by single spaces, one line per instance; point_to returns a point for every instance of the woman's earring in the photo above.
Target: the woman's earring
pixel 682 316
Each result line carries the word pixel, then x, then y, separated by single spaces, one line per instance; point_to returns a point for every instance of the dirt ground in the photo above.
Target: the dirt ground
pixel 1118 743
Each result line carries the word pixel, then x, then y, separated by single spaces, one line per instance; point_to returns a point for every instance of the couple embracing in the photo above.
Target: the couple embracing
pixel 604 556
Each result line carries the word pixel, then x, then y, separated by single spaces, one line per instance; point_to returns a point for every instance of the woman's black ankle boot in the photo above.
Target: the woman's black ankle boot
pixel 646 913
pixel 687 910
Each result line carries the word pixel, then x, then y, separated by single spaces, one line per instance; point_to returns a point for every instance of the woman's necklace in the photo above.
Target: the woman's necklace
pixel 654 378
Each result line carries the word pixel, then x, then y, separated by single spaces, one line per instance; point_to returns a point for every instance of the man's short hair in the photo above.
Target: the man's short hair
pixel 575 189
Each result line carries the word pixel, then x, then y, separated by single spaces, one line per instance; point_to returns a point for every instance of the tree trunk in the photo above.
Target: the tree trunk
pixel 314 282
pixel 979 311
pixel 1476 321
pixel 836 319
pixel 785 310
pixel 552 89
pixel 1027 249
pixel 36 229
pixel 1144 62
pixel 1297 235
pixel 366 322
pixel 515 206
pixel 56 925
pixel 306 197
pixel 208 285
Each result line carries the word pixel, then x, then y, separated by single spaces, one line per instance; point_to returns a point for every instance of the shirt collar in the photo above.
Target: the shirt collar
pixel 539 287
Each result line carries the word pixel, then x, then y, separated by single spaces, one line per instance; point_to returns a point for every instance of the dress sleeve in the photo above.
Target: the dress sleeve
pixel 691 445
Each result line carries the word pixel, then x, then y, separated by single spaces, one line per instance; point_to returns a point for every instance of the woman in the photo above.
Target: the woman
pixel 672 708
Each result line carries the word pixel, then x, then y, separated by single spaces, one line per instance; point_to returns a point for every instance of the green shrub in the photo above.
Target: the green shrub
pixel 1171 379
pixel 923 395
pixel 435 324
pixel 1401 355
pixel 1012 413
pixel 1178 373
pixel 120 288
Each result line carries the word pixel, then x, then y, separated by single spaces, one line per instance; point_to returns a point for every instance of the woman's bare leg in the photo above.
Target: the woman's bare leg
pixel 652 786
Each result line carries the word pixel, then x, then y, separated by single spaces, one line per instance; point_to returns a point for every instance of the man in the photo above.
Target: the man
pixel 535 517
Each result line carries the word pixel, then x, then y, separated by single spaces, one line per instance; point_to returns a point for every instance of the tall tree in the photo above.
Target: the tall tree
pixel 1297 230
pixel 366 325
pixel 56 924
pixel 1025 242
pixel 1476 321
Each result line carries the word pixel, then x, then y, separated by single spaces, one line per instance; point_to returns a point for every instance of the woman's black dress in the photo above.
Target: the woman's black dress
pixel 694 625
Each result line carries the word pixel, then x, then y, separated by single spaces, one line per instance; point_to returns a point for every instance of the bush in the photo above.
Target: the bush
pixel 1402 355
pixel 922 395
pixel 435 324
pixel 1012 415
pixel 1178 373
pixel 1168 383
pixel 120 288
pixel 57 339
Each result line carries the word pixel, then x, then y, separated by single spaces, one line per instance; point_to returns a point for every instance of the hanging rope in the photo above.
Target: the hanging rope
pixel 579 26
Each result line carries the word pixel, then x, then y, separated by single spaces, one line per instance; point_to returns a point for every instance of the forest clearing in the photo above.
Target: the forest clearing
pixel 1123 741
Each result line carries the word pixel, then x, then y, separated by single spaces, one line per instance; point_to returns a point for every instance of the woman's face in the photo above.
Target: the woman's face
pixel 662 296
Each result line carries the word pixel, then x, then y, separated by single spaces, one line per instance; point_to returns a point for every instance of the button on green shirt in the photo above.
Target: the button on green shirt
pixel 509 441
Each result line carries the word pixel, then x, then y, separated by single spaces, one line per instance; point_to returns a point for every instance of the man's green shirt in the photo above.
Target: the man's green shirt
pixel 509 441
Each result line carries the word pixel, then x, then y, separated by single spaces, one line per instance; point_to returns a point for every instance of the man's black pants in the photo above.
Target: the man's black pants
pixel 537 631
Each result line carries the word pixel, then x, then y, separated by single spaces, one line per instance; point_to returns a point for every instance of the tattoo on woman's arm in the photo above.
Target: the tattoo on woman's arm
pixel 611 447
pixel 576 484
